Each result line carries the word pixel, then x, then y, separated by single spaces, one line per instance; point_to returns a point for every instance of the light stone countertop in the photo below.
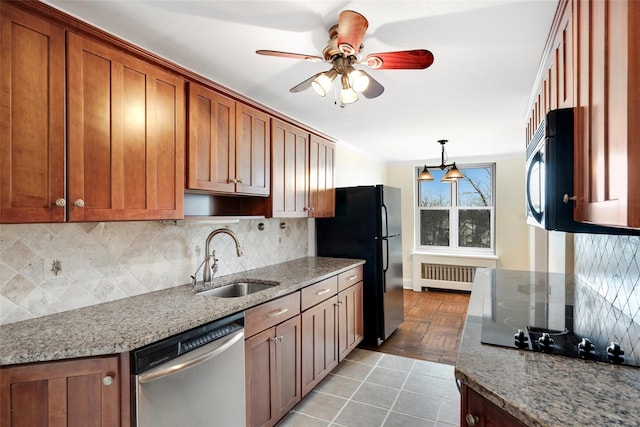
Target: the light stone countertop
pixel 129 323
pixel 541 389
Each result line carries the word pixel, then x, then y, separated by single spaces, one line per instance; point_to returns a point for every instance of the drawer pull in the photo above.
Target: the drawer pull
pixel 324 291
pixel 276 313
pixel 355 276
pixel 471 420
pixel 107 380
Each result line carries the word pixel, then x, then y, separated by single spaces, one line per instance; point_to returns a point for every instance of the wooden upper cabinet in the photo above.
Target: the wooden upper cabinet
pixel 302 173
pixel 290 160
pixel 322 193
pixel 253 151
pixel 125 136
pixel 212 132
pixel 607 143
pixel 555 88
pixel 32 105
pixel 229 145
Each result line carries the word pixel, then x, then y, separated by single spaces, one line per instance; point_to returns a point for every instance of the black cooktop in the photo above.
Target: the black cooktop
pixel 541 315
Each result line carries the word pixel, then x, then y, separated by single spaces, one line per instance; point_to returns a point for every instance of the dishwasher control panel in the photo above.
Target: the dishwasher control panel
pixel 193 343
pixel 160 352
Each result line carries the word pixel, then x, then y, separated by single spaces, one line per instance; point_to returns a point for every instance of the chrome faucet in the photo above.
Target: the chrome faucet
pixel 206 273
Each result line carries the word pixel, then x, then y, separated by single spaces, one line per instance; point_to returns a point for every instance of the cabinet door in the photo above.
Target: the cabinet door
pixel 83 392
pixel 607 132
pixel 562 58
pixel 212 141
pixel 287 358
pixel 321 178
pixel 126 134
pixel 350 323
pixel 319 343
pixel 260 378
pixel 253 151
pixel 32 105
pixel 289 146
pixel 478 411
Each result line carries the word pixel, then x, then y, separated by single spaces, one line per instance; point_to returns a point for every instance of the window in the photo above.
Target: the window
pixel 457 216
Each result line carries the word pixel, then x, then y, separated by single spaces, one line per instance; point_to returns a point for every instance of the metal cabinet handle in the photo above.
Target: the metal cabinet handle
pixel 339 303
pixel 276 313
pixel 61 202
pixel 238 180
pixel 566 198
pixel 108 380
pixel 79 203
pixel 277 339
pixel 324 291
pixel 471 420
pixel 354 277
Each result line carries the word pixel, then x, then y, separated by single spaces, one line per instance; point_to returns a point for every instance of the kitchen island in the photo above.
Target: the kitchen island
pixel 126 324
pixel 541 389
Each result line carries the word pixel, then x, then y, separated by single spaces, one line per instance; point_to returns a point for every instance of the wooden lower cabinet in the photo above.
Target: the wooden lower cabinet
pixel 81 392
pixel 350 326
pixel 272 363
pixel 319 343
pixel 476 411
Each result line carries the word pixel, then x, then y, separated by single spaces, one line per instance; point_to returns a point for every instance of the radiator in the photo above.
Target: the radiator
pixel 447 276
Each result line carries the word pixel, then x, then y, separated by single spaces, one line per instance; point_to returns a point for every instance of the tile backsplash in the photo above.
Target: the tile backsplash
pixel 49 268
pixel 607 270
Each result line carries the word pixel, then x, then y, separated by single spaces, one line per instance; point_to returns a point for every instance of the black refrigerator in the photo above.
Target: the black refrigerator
pixel 367 225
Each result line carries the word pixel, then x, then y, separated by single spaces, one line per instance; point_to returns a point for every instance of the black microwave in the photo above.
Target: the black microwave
pixel 549 178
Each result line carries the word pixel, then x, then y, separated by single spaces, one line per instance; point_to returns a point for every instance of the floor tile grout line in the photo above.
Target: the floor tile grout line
pixel 398 395
pixel 357 388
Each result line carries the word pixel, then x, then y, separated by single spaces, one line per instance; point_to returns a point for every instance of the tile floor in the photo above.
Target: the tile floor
pixel 376 389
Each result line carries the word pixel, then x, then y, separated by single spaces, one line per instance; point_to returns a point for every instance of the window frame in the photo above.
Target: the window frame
pixel 454 209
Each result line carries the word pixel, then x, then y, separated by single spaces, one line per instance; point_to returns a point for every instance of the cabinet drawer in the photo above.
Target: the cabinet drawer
pixel 349 278
pixel 271 313
pixel 318 292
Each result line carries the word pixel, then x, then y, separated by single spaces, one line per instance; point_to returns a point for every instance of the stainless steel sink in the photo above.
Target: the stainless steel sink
pixel 237 289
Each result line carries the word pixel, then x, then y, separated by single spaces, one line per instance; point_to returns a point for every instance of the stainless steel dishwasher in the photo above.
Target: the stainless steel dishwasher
pixel 192 379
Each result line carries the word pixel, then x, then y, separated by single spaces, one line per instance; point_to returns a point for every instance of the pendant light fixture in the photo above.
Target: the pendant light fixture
pixel 453 173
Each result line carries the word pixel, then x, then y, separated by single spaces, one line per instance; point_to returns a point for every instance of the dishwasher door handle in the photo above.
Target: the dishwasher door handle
pixel 192 358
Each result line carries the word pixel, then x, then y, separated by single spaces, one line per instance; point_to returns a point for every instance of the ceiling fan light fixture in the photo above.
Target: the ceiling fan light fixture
pixel 347 94
pixel 358 79
pixel 322 83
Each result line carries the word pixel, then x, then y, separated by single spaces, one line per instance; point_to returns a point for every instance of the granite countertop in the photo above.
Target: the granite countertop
pixel 541 389
pixel 126 324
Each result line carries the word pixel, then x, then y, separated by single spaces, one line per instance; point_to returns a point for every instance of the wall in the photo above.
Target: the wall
pixel 107 261
pixel 512 232
pixel 355 167
pixel 607 271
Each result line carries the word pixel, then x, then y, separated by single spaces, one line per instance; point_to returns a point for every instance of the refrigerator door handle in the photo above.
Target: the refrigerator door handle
pixel 385 262
pixel 385 221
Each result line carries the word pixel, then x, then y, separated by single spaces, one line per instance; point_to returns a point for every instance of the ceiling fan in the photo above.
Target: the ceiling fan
pixel 343 51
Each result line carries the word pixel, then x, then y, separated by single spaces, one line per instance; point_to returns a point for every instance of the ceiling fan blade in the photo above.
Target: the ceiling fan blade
pixel 400 60
pixel 374 89
pixel 305 84
pixel 311 58
pixel 351 29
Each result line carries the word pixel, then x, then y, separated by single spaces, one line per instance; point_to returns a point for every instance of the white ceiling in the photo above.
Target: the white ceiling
pixel 475 94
